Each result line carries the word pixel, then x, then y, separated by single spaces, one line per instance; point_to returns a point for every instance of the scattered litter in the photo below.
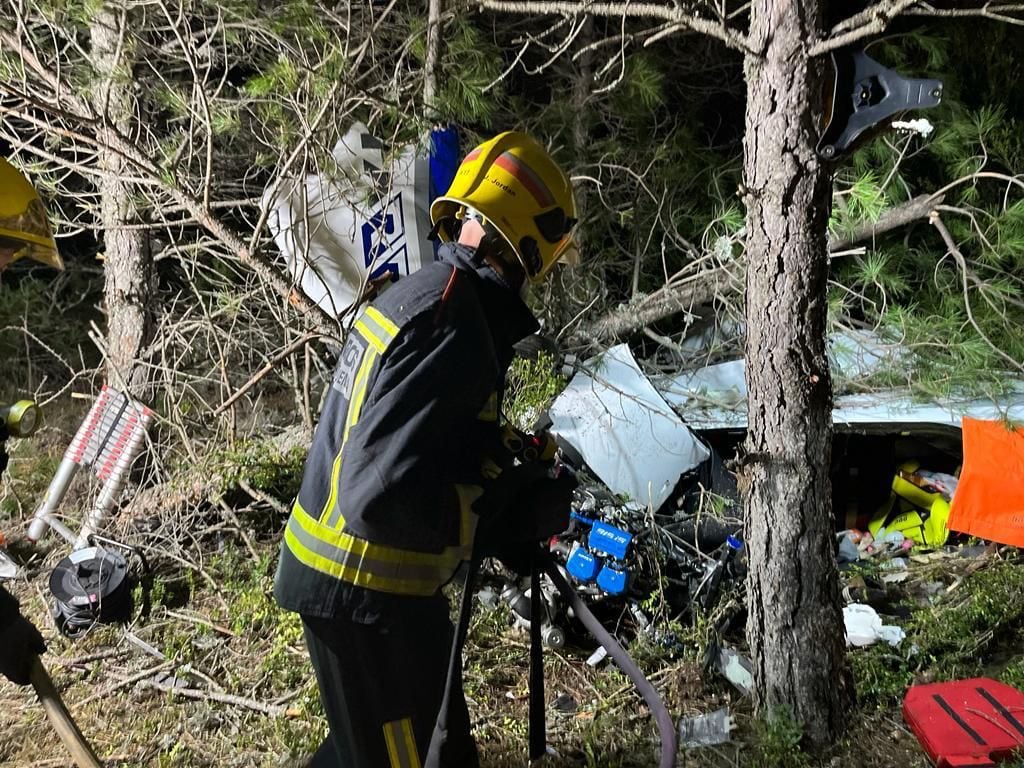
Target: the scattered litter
pixel 920 126
pixel 597 656
pixel 736 669
pixel 896 578
pixel 848 550
pixel 488 598
pixel 864 627
pixel 898 570
pixel 706 730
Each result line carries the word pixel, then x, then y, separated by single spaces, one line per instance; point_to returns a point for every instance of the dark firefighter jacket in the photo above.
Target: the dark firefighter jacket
pixel 8 608
pixel 401 449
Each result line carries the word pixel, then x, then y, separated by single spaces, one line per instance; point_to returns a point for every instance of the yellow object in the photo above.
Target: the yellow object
pixel 518 188
pixel 23 224
pixel 21 419
pixel 919 515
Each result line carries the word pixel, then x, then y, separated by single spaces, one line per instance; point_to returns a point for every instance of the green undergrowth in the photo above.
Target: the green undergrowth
pixel 531 386
pixel 967 633
pixel 262 466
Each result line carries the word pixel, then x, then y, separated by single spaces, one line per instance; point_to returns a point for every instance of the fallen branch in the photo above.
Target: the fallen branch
pixel 270 710
pixel 701 288
pixel 107 690
pixel 697 290
pixel 78 661
pixel 283 354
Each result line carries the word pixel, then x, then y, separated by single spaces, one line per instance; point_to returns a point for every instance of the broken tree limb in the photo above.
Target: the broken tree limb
pixel 724 281
pixel 898 216
pixel 270 710
pixel 698 289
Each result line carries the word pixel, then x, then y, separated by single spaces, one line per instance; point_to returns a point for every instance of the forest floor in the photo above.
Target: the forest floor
pixel 211 673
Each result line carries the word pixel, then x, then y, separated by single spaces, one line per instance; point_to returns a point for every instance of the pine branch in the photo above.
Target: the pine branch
pixel 871 21
pixel 718 30
pixel 698 290
pixel 965 275
pixel 876 18
pixel 994 11
pixel 705 286
pixel 899 216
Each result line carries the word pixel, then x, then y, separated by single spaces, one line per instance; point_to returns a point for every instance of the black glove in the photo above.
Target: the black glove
pixel 545 505
pixel 502 494
pixel 20 643
pixel 522 509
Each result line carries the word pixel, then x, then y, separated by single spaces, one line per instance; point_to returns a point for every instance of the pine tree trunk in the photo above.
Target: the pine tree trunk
pixel 434 10
pixel 128 263
pixel 795 621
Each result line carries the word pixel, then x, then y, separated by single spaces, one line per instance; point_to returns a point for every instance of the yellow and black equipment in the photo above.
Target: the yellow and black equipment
pixel 915 509
pixel 520 196
pixel 24 229
pixel 21 419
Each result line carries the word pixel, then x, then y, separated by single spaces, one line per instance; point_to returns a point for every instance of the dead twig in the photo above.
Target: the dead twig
pixel 283 354
pixel 224 698
pixel 106 691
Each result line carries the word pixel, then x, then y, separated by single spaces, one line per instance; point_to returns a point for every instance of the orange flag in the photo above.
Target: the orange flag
pixel 989 499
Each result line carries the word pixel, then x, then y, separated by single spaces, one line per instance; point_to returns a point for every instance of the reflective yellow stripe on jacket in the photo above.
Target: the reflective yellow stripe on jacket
pixel 401 744
pixel 379 332
pixel 322 543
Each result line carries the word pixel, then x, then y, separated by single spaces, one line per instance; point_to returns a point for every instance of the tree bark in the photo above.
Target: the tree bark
pixel 795 621
pixel 128 262
pixel 434 10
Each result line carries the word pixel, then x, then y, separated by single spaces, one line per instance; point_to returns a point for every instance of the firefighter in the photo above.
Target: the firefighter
pixel 406 461
pixel 24 232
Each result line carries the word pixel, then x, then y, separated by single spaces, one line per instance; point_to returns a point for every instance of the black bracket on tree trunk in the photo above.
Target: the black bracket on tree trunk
pixel 866 93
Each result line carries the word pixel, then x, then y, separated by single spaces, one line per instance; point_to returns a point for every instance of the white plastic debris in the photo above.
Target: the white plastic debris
pixel 921 126
pixel 625 431
pixel 597 656
pixel 736 669
pixel 864 627
pixel 8 568
pixel 707 407
pixel 366 216
pixel 706 730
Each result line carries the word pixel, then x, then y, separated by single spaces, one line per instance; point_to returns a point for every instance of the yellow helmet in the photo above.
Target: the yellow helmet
pixel 23 224
pixel 514 184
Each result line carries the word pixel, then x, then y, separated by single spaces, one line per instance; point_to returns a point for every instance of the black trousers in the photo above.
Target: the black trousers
pixel 381 685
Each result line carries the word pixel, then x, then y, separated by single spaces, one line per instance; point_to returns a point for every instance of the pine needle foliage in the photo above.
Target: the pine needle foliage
pixel 960 309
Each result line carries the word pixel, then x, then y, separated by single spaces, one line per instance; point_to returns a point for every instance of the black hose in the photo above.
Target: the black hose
pixel 666 726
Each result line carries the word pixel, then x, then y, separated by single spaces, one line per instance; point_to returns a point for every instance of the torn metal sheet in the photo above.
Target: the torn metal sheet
pixel 715 397
pixel 625 431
